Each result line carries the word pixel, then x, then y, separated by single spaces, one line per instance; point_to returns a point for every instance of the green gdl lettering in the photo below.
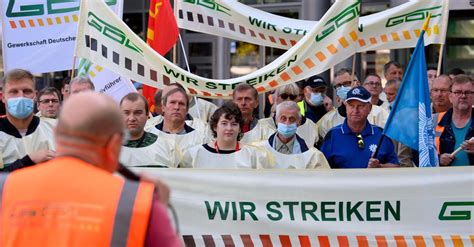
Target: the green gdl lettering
pixel 111 32
pixel 347 15
pixel 454 213
pixel 52 6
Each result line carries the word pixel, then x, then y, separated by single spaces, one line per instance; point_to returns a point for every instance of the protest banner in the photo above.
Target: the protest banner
pixel 40 36
pixel 106 40
pixel 394 28
pixel 106 81
pixel 352 207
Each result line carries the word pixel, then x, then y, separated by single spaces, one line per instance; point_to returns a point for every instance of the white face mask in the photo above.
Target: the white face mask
pixel 342 92
pixel 316 99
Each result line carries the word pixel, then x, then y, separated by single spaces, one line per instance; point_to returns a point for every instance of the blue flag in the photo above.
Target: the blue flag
pixel 410 121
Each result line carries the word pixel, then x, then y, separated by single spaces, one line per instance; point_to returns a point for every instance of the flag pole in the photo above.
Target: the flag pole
pixel 440 59
pixel 175 49
pixel 353 68
pixel 73 70
pixel 189 70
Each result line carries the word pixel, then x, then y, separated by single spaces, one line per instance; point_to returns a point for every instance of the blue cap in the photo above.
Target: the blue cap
pixel 359 93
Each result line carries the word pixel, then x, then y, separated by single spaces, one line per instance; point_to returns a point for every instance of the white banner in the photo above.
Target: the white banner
pixel 106 81
pixel 353 207
pixel 394 28
pixel 40 35
pixel 106 40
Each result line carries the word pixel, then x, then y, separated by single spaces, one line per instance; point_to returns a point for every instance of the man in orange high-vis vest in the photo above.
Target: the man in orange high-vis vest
pixel 74 199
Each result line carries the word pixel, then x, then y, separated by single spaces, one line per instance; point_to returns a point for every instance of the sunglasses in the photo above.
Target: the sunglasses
pixel 360 142
pixel 285 96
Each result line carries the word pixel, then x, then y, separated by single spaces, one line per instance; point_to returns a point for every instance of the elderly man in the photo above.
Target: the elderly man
pixel 48 102
pixel 307 129
pixel 440 93
pixel 393 71
pixel 455 128
pixel 173 126
pixel 373 84
pixel 313 106
pixel 287 149
pixel 81 84
pixel 25 139
pixel 352 144
pixel 95 207
pixel 143 148
pixel 341 83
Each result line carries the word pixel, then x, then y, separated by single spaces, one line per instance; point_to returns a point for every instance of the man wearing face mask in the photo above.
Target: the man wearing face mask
pixel 286 148
pixel 25 139
pixel 342 83
pixel 313 106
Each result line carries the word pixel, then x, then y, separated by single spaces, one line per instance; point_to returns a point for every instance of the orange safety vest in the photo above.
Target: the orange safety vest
pixel 438 130
pixel 68 202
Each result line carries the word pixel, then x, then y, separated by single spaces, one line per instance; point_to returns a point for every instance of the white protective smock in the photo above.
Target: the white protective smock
pixel 249 157
pixel 308 130
pixel 196 124
pixel 161 153
pixel 259 133
pixel 202 109
pixel 311 159
pixel 14 148
pixel 182 142
pixel 378 116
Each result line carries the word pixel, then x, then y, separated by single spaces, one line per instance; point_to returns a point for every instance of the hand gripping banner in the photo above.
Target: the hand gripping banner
pixel 394 28
pixel 107 41
pixel 346 207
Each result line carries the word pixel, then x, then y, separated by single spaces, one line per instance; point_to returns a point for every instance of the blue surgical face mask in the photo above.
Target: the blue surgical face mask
pixel 342 92
pixel 287 130
pixel 316 99
pixel 20 107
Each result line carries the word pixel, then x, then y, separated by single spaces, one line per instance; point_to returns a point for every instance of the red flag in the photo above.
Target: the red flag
pixel 162 34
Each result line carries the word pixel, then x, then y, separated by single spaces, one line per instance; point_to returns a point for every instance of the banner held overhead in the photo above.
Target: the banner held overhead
pixel 106 40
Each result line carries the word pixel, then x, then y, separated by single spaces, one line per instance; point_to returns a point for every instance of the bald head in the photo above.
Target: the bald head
pixel 89 116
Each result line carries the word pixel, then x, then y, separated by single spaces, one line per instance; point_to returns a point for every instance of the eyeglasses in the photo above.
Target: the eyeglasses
pixel 285 96
pixel 373 83
pixel 360 142
pixel 460 93
pixel 47 101
pixel 344 83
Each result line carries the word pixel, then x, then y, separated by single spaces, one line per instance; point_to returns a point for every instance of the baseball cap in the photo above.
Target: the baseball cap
pixel 315 81
pixel 358 93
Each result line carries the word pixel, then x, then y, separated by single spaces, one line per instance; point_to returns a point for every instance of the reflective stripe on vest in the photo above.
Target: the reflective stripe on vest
pixel 301 105
pixel 124 213
pixel 438 130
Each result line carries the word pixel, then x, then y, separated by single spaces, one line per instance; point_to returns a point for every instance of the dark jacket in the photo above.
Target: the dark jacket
pixel 447 140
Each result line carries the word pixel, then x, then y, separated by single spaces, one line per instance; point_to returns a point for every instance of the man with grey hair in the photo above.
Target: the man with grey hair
pixel 307 129
pixel 81 84
pixel 287 148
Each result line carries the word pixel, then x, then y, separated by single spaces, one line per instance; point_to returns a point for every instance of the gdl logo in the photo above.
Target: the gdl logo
pixel 456 211
pixel 51 7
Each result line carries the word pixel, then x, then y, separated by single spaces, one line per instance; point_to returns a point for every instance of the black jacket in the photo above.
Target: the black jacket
pixel 447 140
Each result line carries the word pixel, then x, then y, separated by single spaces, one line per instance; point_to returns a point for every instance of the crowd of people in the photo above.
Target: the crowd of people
pixel 306 128
pixel 81 138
